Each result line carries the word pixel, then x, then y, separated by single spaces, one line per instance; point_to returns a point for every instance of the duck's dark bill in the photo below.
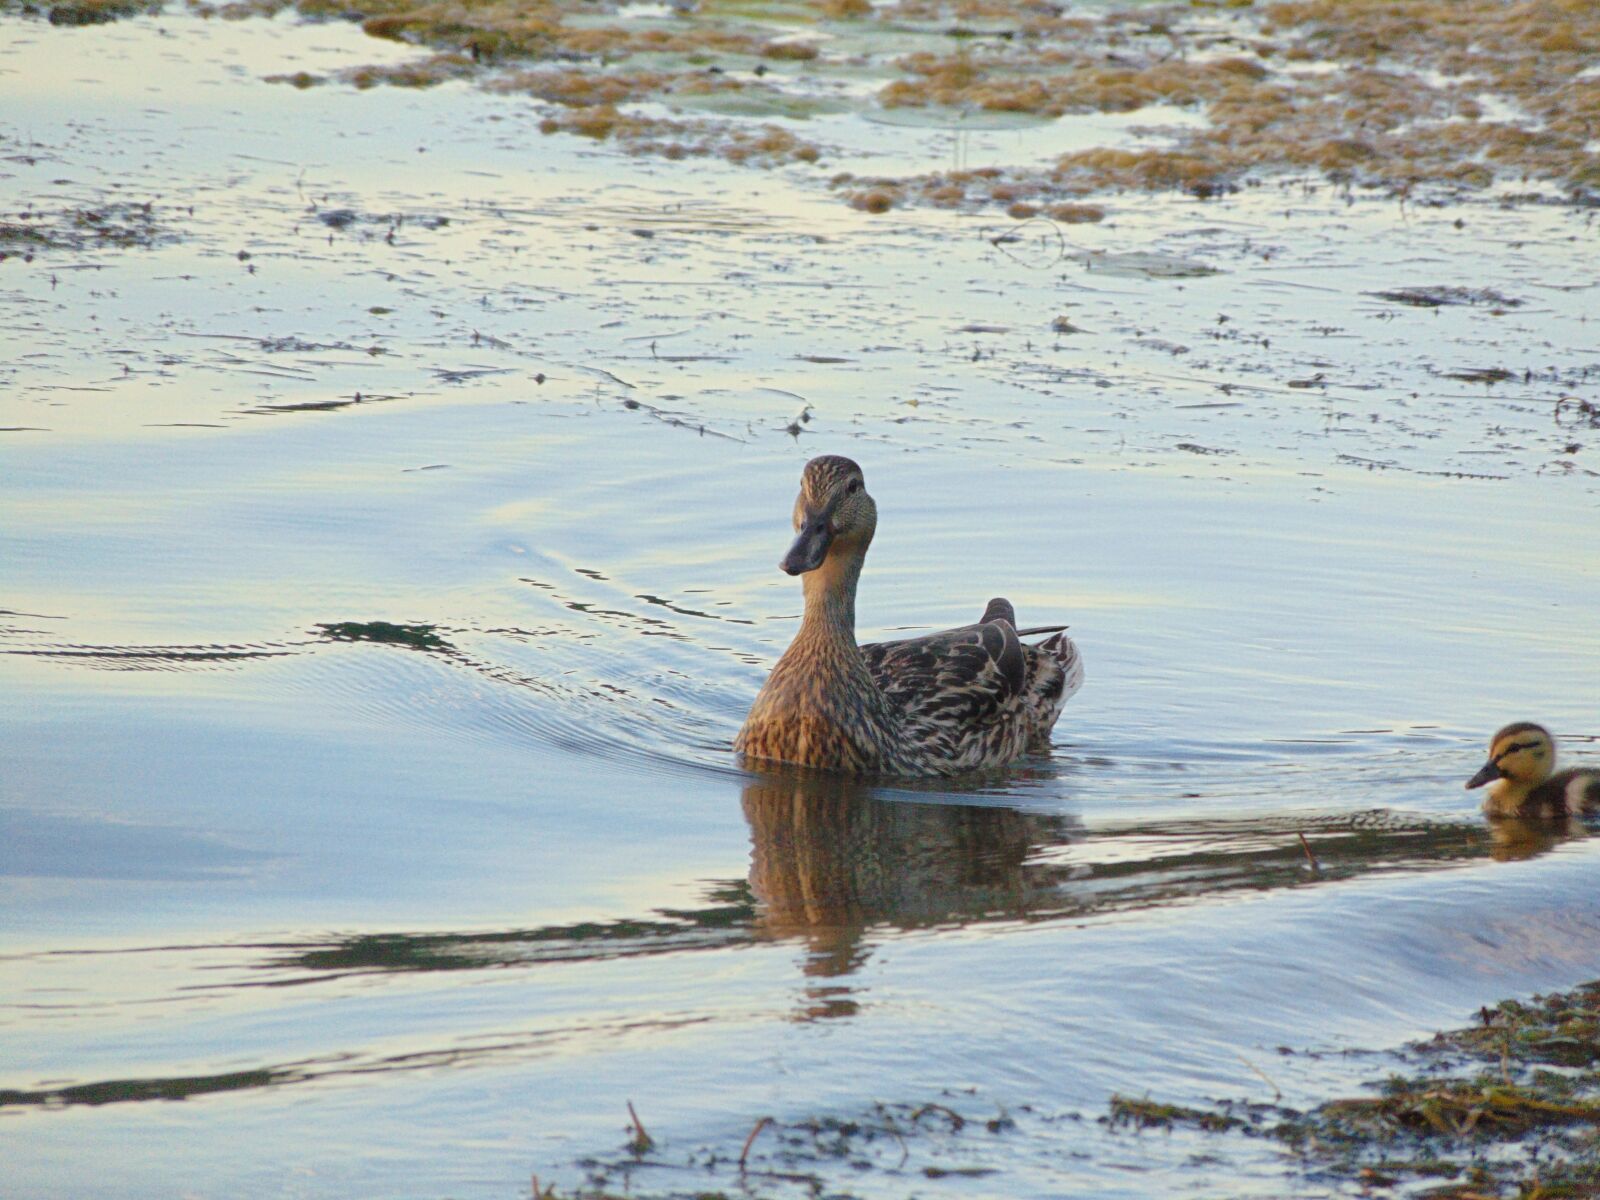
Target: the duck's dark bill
pixel 810 547
pixel 1488 772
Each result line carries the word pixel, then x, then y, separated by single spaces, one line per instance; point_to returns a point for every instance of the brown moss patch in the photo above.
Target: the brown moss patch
pixel 1533 54
pixel 1400 101
pixel 98 12
pixel 423 73
pixel 300 79
pixel 581 89
pixel 1076 214
pixel 238 10
pixel 764 145
pixel 874 200
pixel 1092 170
pixel 1453 94
pixel 617 43
pixel 1075 81
pixel 790 51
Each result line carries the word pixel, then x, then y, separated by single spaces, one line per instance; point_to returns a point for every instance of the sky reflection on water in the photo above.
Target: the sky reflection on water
pixel 366 761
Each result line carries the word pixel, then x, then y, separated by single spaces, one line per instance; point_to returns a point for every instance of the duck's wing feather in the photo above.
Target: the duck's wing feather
pixel 965 676
pixel 1575 790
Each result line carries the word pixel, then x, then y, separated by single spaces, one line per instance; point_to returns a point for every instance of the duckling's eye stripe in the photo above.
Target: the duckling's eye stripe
pixel 1514 749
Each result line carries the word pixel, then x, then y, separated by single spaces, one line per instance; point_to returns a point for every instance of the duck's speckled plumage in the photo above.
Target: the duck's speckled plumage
pixel 1524 781
pixel 947 703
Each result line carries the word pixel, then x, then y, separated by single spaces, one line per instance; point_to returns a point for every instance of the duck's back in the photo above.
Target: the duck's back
pixel 1575 791
pixel 975 696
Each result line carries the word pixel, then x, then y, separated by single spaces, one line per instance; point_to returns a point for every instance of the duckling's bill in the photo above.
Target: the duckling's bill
pixel 1488 773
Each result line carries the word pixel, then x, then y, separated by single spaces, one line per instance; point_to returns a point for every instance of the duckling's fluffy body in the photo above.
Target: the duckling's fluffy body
pixel 1523 779
pixel 947 703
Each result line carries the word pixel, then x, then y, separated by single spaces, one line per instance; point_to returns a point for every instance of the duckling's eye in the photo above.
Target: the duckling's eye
pixel 855 486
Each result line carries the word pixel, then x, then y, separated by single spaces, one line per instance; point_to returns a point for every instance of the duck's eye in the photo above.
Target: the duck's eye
pixel 855 486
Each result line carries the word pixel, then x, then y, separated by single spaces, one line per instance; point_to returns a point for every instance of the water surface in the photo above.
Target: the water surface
pixel 390 559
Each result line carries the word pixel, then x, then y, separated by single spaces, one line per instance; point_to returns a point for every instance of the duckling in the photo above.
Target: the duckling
pixel 943 704
pixel 1521 759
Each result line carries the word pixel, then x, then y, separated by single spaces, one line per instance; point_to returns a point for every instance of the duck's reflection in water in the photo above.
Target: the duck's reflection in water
pixel 836 868
pixel 831 858
pixel 1512 839
pixel 836 864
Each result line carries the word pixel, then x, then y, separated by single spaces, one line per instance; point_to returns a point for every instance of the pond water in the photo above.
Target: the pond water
pixel 390 554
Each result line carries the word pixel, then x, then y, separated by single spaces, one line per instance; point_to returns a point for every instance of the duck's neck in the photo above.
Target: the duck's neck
pixel 828 628
pixel 1506 797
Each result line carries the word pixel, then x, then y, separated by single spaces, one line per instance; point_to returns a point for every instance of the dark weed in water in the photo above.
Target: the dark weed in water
pixel 903 1142
pixel 1145 1113
pixel 1439 297
pixel 119 225
pixel 418 637
pixel 1509 1107
pixel 94 12
pixel 1572 411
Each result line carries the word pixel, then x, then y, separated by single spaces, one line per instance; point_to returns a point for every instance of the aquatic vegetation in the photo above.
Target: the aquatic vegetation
pixel 426 72
pixel 1561 1029
pixel 1145 1113
pixel 1056 83
pixel 1509 1106
pixel 1512 1130
pixel 931 1140
pixel 766 144
pixel 1453 94
pixel 298 79
pixel 458 869
pixel 1438 297
pixel 114 225
pixel 876 199
pixel 418 637
pixel 98 12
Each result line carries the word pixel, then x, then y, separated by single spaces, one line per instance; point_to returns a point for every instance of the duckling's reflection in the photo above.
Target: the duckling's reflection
pixel 831 857
pixel 1512 839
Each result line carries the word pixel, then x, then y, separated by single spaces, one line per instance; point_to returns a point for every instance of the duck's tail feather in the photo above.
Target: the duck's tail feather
pixel 1064 651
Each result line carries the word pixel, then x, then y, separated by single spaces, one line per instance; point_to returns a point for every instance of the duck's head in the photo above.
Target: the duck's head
pixel 833 513
pixel 1523 753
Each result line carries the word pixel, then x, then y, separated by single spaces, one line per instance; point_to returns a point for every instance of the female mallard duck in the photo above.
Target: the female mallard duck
pixel 943 704
pixel 1521 759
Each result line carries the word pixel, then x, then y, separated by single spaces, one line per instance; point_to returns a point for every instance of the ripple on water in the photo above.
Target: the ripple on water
pixel 385 609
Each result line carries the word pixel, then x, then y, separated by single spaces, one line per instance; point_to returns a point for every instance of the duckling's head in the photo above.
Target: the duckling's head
pixel 832 514
pixel 1523 753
